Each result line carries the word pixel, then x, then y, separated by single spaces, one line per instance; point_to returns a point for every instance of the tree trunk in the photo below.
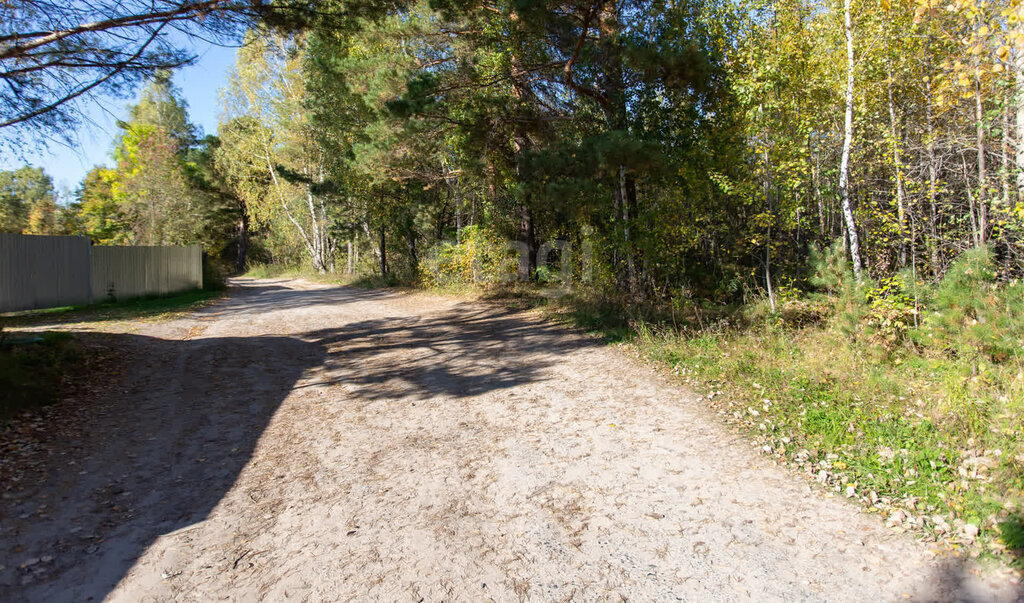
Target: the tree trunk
pixel 611 96
pixel 1004 165
pixel 628 184
pixel 458 211
pixel 414 262
pixel 1018 65
pixel 933 176
pixel 971 205
pixel 979 116
pixel 319 260
pixel 310 249
pixel 521 143
pixel 844 166
pixel 897 162
pixel 816 181
pixel 528 239
pixel 768 246
pixel 383 254
pixel 243 240
pixel 768 272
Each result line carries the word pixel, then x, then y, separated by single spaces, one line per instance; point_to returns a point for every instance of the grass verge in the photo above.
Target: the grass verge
pixel 301 271
pixel 37 368
pixel 33 370
pixel 140 308
pixel 927 442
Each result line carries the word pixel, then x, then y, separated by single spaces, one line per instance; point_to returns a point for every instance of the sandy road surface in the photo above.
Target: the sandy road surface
pixel 313 443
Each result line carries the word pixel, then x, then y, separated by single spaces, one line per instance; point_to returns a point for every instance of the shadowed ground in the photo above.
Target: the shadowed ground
pixel 299 441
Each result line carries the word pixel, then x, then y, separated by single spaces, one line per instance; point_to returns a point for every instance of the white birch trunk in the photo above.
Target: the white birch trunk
pixel 844 166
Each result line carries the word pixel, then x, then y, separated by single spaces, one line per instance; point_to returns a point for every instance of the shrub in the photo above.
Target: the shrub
pixel 33 371
pixel 480 256
pixel 973 314
pixel 830 271
pixel 214 273
pixel 891 313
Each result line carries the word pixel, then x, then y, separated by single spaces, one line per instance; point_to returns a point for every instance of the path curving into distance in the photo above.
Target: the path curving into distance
pixel 298 441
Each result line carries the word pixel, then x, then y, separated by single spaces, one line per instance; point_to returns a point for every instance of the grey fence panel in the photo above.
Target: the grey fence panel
pixel 126 272
pixel 43 272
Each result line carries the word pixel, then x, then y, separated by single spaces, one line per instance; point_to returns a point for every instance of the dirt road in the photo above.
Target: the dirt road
pixel 303 442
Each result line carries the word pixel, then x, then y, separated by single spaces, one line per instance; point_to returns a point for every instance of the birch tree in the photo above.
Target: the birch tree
pixel 267 89
pixel 844 165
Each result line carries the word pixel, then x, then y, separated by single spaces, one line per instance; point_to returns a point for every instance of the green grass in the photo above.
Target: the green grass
pixel 34 369
pixel 140 308
pixel 368 281
pixel 37 367
pixel 273 271
pixel 305 272
pixel 907 435
pixel 1012 534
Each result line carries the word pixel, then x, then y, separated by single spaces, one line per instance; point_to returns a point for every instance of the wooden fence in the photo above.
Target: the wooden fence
pixel 45 272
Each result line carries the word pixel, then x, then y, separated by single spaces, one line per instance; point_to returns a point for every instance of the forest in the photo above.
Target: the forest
pixel 700 149
pixel 713 175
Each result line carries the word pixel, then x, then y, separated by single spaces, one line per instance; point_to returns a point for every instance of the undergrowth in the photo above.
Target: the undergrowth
pixel 154 307
pixel 907 397
pixel 33 368
pixel 305 272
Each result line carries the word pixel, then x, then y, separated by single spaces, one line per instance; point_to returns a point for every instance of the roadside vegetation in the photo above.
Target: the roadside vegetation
pixel 41 367
pixel 33 370
pixel 143 308
pixel 904 396
pixel 911 405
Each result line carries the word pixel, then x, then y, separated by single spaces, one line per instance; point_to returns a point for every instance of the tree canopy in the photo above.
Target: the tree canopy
pixel 695 147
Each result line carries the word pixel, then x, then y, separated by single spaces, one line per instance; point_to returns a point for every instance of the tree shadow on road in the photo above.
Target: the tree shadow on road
pixel 168 439
pixel 83 500
pixel 256 297
pixel 471 350
pixel 952 579
pixel 1011 533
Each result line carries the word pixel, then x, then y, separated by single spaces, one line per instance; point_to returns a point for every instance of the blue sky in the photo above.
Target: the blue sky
pixel 199 83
